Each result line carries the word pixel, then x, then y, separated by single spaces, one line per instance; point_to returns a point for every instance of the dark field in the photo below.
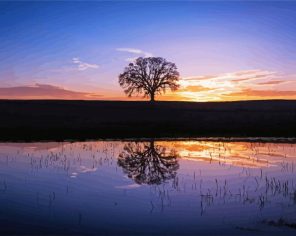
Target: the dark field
pixel 59 120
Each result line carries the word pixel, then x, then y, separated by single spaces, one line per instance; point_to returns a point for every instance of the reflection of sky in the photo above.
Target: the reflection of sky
pixel 36 186
pixel 251 155
pixel 224 51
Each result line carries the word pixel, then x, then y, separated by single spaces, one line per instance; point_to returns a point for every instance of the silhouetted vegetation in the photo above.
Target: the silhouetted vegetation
pixel 150 76
pixel 59 120
pixel 147 163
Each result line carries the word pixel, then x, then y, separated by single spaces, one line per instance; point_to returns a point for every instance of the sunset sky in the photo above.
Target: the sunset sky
pixel 76 50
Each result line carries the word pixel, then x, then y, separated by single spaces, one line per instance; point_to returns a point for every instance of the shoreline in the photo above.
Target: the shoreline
pixel 291 140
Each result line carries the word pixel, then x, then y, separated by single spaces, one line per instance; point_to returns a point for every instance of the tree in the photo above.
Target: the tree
pixel 151 76
pixel 147 163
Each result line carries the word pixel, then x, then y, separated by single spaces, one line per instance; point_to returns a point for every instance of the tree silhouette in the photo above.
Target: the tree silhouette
pixel 151 76
pixel 146 163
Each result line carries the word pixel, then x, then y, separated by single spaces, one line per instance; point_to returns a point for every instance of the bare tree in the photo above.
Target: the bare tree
pixel 151 76
pixel 147 163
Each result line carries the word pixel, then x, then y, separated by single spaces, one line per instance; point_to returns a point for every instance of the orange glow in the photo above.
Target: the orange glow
pixel 243 154
pixel 234 86
pixel 241 85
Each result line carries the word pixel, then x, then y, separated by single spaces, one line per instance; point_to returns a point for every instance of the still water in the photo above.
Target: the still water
pixel 151 187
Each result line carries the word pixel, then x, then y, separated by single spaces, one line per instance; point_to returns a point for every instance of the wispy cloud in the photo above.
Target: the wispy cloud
pixel 233 77
pixel 195 88
pixel 252 93
pixel 83 65
pixel 198 78
pixel 251 75
pixel 134 51
pixel 272 82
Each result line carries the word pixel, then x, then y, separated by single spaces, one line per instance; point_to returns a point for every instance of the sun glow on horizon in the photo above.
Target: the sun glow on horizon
pixel 241 85
pixel 234 86
pixel 76 51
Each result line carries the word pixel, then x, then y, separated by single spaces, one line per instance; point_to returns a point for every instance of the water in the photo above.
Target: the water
pixel 155 187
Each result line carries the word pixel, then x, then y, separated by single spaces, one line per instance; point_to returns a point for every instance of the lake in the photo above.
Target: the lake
pixel 148 187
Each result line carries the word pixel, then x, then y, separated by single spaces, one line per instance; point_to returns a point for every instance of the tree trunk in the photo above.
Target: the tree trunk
pixel 152 144
pixel 152 97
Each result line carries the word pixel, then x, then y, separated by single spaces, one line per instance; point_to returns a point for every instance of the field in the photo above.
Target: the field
pixel 78 120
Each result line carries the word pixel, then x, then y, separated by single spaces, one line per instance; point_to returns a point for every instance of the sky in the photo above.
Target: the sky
pixel 237 50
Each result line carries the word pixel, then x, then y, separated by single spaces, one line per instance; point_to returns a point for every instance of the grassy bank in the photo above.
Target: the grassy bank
pixel 59 120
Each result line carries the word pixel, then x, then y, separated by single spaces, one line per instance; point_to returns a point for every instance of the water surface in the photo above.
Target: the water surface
pixel 149 187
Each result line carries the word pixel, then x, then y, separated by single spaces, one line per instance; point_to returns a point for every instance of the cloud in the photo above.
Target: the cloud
pixel 238 76
pixel 272 82
pixel 83 65
pixel 198 78
pixel 246 72
pixel 262 93
pixel 139 52
pixel 194 88
pixel 240 80
pixel 44 91
pixel 251 75
pixel 232 78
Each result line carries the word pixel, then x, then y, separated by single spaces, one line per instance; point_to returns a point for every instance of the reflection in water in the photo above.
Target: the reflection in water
pixel 91 187
pixel 147 163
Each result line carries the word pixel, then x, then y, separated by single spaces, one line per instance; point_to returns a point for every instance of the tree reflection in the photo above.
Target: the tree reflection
pixel 147 163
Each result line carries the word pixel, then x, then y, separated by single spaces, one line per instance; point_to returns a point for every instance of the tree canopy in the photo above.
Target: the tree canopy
pixel 149 76
pixel 147 163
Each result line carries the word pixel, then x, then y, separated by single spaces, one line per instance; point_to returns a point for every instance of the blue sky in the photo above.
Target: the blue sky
pixel 83 46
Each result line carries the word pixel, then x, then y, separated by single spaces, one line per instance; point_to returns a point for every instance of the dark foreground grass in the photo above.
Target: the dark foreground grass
pixel 60 120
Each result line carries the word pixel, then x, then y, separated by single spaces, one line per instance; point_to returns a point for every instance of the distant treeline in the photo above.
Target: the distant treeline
pixel 78 120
